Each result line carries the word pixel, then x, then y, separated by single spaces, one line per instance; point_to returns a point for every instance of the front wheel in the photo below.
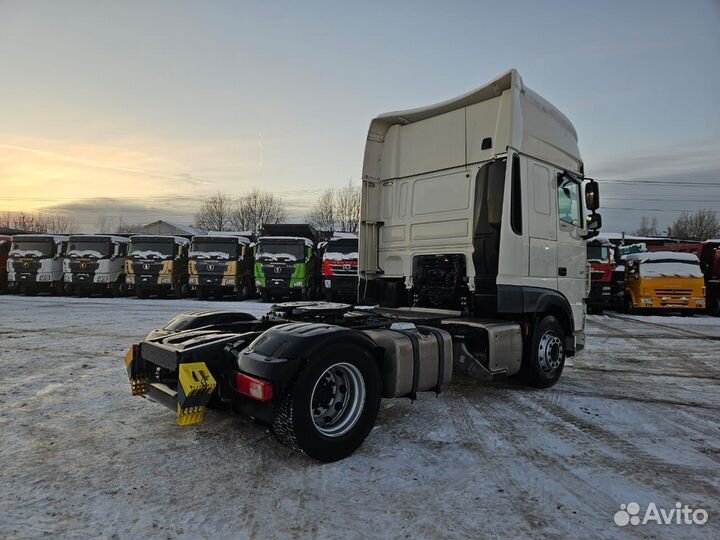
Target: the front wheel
pixel 629 308
pixel 544 360
pixel 332 406
pixel 119 289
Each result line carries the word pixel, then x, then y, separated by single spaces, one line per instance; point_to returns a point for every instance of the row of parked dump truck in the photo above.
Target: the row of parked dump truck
pixel 664 276
pixel 284 261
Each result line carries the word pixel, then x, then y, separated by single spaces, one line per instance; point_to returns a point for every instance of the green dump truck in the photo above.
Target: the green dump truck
pixel 286 262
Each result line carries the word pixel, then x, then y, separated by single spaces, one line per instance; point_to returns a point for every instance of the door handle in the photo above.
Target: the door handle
pixel 562 271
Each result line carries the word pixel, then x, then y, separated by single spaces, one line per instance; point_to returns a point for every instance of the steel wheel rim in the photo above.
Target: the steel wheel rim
pixel 550 352
pixel 337 399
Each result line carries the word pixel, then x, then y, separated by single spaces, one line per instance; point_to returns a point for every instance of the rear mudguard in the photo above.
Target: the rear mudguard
pixel 281 352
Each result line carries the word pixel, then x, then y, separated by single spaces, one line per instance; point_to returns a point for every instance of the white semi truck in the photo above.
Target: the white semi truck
pixel 474 218
pixel 35 263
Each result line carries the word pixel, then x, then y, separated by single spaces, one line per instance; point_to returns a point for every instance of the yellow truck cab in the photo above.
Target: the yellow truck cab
pixel 663 280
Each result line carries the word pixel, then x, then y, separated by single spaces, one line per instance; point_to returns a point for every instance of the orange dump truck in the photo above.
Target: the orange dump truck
pixel 664 280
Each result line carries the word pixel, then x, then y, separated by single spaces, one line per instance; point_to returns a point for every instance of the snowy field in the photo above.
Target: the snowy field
pixel 635 419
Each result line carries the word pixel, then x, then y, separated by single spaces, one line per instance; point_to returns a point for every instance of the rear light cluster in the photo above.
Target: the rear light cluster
pixel 253 388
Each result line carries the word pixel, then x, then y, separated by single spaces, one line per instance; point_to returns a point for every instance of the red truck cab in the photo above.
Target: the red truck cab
pixel 710 264
pixel 602 263
pixel 340 267
pixel 5 242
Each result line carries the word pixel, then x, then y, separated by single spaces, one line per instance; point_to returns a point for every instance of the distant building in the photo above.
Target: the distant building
pixel 168 228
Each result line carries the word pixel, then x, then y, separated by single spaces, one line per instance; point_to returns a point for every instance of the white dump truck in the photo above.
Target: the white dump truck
pixel 475 213
pixel 35 263
pixel 95 263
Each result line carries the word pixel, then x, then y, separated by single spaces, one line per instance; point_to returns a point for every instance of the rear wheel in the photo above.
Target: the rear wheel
pixel 332 406
pixel 544 359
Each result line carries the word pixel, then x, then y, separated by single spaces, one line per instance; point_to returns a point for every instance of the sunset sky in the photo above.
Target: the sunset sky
pixel 141 108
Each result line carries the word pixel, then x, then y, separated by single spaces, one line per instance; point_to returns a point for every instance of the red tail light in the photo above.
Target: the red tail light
pixel 254 388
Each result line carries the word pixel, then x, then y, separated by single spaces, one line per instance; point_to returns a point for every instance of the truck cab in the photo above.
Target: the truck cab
pixel 95 264
pixel 479 204
pixel 339 267
pixel 5 242
pixel 710 264
pixel 35 263
pixel 663 280
pixel 286 262
pixel 157 264
pixel 602 264
pixel 221 264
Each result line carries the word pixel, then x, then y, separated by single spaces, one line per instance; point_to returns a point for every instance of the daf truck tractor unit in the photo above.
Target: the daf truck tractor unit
pixel 95 264
pixel 602 264
pixel 157 265
pixel 35 263
pixel 221 264
pixel 5 243
pixel 286 262
pixel 483 195
pixel 340 267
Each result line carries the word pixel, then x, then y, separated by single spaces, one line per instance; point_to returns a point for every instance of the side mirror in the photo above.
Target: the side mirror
pixel 592 196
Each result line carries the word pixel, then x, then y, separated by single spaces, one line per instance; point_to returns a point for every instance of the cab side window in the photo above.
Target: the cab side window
pixel 568 195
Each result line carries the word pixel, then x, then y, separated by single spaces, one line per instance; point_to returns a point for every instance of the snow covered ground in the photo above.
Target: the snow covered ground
pixel 635 419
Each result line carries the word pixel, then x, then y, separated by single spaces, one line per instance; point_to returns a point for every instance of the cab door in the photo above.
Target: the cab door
pixel 571 269
pixel 542 226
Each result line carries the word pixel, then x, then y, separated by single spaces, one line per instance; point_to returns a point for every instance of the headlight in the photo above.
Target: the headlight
pixel 647 301
pixel 43 277
pixel 700 302
pixel 165 280
pixel 328 283
pixel 298 284
pixel 229 281
pixel 258 283
pixel 193 281
pixel 68 278
pixel 103 279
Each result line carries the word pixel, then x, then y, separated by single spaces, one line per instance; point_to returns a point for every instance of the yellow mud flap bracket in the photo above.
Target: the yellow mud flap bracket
pixel 136 372
pixel 195 386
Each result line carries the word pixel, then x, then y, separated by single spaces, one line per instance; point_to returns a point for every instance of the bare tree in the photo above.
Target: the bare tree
pixel 256 208
pixel 104 224
pixel 60 224
pixel 702 225
pixel 6 220
pixel 128 227
pixel 647 227
pixel 29 222
pixel 216 213
pixel 347 212
pixel 322 214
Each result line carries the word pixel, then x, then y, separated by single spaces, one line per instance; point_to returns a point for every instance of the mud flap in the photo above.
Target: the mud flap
pixel 137 374
pixel 195 386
